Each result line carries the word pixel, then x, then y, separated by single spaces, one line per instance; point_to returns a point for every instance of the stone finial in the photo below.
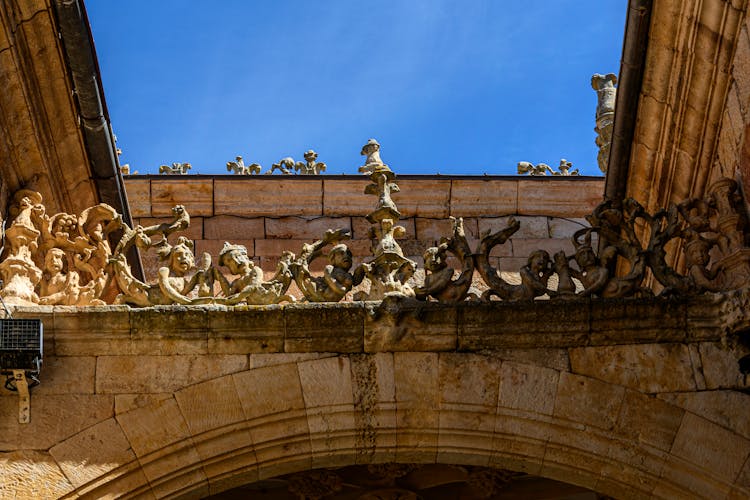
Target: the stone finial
pixel 239 168
pixel 311 166
pixel 564 169
pixel 371 151
pixel 175 169
pixel 284 165
pixel 606 93
pixel 525 167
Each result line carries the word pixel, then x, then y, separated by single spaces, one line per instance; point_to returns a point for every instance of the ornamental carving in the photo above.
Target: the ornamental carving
pixel 68 259
pixel 606 94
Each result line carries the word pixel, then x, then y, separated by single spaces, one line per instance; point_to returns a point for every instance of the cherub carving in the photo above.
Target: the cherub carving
pixel 57 287
pixel 371 151
pixel 336 280
pixel 311 166
pixel 439 282
pixel 249 286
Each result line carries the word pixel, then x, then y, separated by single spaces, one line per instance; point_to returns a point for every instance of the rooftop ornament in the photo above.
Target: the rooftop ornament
pixel 564 169
pixel 287 166
pixel 175 169
pixel 67 259
pixel 606 94
pixel 239 168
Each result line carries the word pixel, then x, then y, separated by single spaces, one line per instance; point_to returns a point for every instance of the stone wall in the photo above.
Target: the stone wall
pixel 629 398
pixel 270 214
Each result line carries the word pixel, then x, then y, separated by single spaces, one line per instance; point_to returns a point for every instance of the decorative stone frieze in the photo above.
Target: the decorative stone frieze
pixel 65 259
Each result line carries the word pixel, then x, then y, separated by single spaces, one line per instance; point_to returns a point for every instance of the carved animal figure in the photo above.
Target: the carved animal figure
pixel 285 166
pixel 239 168
pixel 175 169
pixel 525 167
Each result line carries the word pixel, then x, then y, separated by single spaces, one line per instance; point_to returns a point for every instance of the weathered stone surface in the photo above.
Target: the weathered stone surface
pixel 67 375
pixel 139 197
pixel 231 228
pixel 304 227
pixel 184 329
pixel 626 321
pixel 403 326
pixel 31 474
pixel 528 387
pixel 483 197
pixel 324 327
pixel 647 419
pixel 557 359
pixel 193 232
pixel 702 442
pixel 563 227
pixel 521 324
pixel 588 401
pixel 649 368
pixel 417 402
pixel 265 196
pixel 719 366
pixel 104 330
pixel 247 329
pixel 725 408
pixel 423 197
pixel 196 195
pixel 568 197
pixel 102 448
pixel 54 418
pixel 342 197
pixel 149 374
pixel 374 392
pixel 531 227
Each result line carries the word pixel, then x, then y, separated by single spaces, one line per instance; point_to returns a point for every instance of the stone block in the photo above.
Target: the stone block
pixel 67 375
pixel 231 228
pixel 417 403
pixel 139 196
pixel 101 330
pixel 500 325
pixel 623 321
pixel 274 248
pixel 645 419
pixel 32 474
pixel 410 326
pixel 210 405
pixel 268 196
pixel 531 227
pixel 561 227
pixel 724 408
pixel 166 330
pixel 346 197
pixel 128 402
pixel 93 452
pixel 422 197
pixel 648 368
pixel 523 247
pixel 527 387
pixel 361 226
pixel 559 197
pixel 319 327
pixel 154 374
pixel 557 359
pixel 483 197
pixel 710 446
pixel 588 401
pixel 431 231
pixel 54 418
pixel 718 363
pixel 196 195
pixel 246 329
pixel 270 390
pixel 374 391
pixel 305 228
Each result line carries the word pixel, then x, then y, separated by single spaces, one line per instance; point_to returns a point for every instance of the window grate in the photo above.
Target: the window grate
pixel 20 344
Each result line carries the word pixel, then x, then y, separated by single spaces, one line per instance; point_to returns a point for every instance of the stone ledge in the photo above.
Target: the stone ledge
pixel 391 326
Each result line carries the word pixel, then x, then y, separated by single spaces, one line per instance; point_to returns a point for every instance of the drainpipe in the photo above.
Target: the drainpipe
pixel 632 65
pixel 78 48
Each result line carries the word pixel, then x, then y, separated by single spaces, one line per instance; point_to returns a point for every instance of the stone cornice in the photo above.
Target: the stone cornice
pixel 393 325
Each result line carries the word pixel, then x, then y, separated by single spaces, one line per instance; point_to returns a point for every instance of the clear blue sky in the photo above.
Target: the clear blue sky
pixel 449 86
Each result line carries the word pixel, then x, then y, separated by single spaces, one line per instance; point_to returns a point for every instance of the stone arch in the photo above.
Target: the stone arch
pixel 453 408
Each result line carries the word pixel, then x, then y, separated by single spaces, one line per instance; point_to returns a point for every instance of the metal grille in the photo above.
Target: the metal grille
pixel 20 344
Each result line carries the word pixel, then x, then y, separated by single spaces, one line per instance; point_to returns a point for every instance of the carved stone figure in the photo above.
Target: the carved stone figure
pixel 175 169
pixel 125 170
pixel 565 169
pixel 371 151
pixel 20 273
pixel 439 283
pixel 239 168
pixel 534 275
pixel 249 286
pixel 336 280
pixel 524 167
pixel 285 166
pixel 606 94
pixel 311 166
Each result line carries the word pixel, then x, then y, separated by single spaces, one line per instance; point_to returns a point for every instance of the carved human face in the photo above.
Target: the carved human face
pixel 182 260
pixel 238 262
pixel 341 258
pixel 585 257
pixel 53 261
pixel 538 262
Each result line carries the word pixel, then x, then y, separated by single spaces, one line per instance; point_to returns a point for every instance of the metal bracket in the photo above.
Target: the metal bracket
pixel 24 400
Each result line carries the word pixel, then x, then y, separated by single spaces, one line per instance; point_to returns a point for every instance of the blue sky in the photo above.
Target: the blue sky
pixel 448 86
